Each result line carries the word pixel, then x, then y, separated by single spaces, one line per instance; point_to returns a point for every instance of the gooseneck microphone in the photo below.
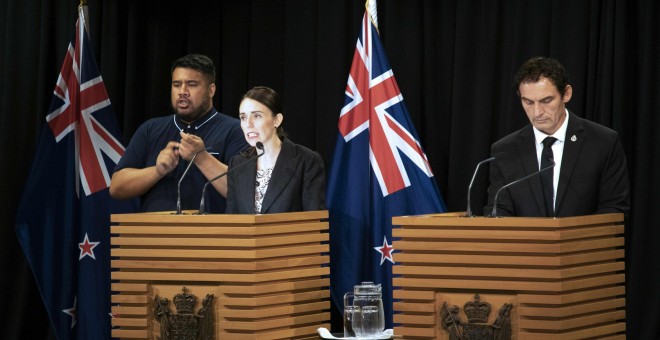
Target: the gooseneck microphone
pixel 259 145
pixel 468 211
pixel 494 212
pixel 178 186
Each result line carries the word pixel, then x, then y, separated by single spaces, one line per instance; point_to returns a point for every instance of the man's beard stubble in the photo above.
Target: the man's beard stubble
pixel 194 115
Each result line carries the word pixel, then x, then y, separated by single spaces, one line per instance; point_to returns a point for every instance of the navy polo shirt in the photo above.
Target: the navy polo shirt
pixel 223 139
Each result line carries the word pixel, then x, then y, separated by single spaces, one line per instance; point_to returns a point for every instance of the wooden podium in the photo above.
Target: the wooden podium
pixel 268 273
pixel 564 276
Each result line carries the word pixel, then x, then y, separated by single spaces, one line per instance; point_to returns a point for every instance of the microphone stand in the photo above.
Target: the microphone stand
pixel 468 212
pixel 178 187
pixel 494 212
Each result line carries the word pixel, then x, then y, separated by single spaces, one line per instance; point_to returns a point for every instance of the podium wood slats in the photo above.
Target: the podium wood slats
pixel 249 315
pixel 246 266
pixel 415 307
pixel 117 322
pixel 456 221
pixel 571 298
pixel 599 332
pixel 513 273
pixel 509 285
pixel 565 277
pixel 410 319
pixel 424 295
pixel 199 242
pixel 282 333
pixel 128 287
pixel 508 247
pixel 555 312
pixel 314 319
pixel 122 310
pixel 577 322
pixel 512 260
pixel 129 333
pixel 210 230
pixel 275 299
pixel 268 273
pixel 410 331
pixel 126 298
pixel 490 234
pixel 213 277
pixel 274 287
pixel 218 253
pixel 189 218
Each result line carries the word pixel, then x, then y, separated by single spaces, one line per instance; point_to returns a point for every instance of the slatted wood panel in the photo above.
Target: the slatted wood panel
pixel 269 273
pixel 564 276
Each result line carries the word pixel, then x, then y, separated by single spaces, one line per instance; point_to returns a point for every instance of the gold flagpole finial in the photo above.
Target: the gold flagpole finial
pixel 370 6
pixel 83 2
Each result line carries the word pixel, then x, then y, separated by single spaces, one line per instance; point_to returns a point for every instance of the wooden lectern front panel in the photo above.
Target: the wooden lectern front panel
pixel 564 277
pixel 268 274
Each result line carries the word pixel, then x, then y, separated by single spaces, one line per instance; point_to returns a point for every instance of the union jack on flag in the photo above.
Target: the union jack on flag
pixel 379 170
pixel 65 235
pixel 81 93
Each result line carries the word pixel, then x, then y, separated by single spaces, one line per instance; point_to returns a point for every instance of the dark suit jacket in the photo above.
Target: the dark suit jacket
pixel 593 177
pixel 296 184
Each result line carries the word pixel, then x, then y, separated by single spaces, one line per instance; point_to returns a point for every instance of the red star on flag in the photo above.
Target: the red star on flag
pixel 72 312
pixel 87 248
pixel 385 251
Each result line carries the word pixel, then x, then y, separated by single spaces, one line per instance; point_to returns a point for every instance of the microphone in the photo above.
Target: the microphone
pixel 178 186
pixel 494 212
pixel 259 145
pixel 468 212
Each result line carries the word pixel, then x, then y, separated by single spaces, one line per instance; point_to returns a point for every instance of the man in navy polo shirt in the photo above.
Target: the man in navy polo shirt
pixel 162 147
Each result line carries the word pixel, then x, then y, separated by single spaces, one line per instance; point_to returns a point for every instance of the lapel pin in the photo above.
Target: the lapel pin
pixel 573 138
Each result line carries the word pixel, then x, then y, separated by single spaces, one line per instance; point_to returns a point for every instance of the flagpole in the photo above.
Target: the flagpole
pixel 372 9
pixel 82 15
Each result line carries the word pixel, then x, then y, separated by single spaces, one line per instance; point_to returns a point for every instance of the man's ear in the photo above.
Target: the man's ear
pixel 568 93
pixel 212 89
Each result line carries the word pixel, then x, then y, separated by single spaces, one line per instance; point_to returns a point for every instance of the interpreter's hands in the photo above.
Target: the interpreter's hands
pixel 190 145
pixel 168 159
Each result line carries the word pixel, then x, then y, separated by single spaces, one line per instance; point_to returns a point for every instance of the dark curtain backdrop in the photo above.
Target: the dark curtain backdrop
pixel 454 62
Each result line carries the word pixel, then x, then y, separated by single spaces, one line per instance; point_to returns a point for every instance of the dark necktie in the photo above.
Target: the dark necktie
pixel 547 159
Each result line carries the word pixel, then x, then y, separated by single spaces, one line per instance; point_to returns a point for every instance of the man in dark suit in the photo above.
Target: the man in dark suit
pixel 590 174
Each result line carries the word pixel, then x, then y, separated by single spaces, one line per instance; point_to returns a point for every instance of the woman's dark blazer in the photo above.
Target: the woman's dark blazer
pixel 296 184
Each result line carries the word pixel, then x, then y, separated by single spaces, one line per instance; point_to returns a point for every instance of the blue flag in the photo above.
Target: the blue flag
pixel 379 170
pixel 63 220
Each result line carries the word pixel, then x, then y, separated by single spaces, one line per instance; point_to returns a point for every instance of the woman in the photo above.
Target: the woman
pixel 287 177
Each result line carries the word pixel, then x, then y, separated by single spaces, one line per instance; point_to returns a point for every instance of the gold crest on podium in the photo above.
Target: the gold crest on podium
pixel 185 324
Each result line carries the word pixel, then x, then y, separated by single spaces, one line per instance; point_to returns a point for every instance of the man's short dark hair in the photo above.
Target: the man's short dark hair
pixel 533 69
pixel 197 62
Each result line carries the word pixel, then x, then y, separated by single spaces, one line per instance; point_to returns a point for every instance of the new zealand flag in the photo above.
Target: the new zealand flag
pixel 379 170
pixel 63 221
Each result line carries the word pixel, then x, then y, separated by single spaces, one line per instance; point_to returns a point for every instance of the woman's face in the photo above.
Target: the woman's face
pixel 258 122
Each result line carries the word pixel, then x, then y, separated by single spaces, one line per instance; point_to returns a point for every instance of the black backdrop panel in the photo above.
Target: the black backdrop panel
pixel 453 60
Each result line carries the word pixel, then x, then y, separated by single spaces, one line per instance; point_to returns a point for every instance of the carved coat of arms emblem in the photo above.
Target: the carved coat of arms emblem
pixel 476 328
pixel 185 324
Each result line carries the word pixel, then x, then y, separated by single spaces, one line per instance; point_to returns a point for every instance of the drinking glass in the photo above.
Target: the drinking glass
pixel 351 322
pixel 369 322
